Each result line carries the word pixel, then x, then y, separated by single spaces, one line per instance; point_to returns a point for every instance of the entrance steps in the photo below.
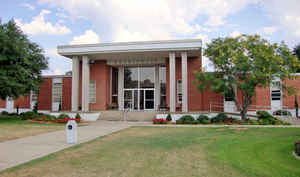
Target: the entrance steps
pixel 115 115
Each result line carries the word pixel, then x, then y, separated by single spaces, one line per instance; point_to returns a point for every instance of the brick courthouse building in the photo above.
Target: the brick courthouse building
pixel 139 76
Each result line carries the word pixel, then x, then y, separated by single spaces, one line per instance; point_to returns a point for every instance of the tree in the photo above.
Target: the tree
pixel 245 63
pixel 21 62
pixel 68 73
pixel 296 52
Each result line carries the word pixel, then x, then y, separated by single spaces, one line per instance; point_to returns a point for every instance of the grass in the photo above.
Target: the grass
pixel 150 151
pixel 11 127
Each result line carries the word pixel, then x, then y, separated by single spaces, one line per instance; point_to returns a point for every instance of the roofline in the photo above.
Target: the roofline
pixel 55 76
pixel 123 47
pixel 129 43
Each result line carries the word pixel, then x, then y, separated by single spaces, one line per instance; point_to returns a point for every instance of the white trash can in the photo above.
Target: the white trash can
pixel 71 129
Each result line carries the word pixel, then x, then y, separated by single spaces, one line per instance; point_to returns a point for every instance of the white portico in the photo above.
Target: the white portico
pixel 139 69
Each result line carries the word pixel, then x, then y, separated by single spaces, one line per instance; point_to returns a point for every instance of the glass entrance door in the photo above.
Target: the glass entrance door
pixel 139 88
pixel 139 99
pixel 149 99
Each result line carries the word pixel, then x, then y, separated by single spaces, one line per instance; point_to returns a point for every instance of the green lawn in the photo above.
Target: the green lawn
pixel 12 127
pixel 150 151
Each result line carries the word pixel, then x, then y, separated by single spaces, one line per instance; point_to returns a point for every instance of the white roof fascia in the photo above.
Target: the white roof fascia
pixel 120 47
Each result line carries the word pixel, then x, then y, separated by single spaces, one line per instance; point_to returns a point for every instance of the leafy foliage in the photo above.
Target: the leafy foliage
pixel 77 116
pixel 221 117
pixel 21 62
pixel 245 63
pixel 62 116
pixel 282 113
pixel 169 118
pixel 186 119
pixel 28 115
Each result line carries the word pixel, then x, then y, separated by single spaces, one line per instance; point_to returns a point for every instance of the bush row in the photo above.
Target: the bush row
pixel 43 117
pixel 264 118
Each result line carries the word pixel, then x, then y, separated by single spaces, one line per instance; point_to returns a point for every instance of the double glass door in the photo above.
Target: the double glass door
pixel 139 99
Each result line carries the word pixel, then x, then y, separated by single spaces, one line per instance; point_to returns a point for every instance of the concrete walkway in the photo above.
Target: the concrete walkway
pixel 16 152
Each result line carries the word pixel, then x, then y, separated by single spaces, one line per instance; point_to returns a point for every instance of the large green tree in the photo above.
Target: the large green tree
pixel 21 62
pixel 245 63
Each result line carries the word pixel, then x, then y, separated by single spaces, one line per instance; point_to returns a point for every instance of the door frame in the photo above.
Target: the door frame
pixel 138 99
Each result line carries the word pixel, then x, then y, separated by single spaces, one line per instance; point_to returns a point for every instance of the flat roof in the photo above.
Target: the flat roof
pixel 127 47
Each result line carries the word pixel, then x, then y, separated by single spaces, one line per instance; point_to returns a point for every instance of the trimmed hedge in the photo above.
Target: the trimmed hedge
pixel 62 116
pixel 297 148
pixel 186 119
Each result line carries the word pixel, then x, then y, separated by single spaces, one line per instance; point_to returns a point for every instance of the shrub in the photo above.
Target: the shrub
pixel 282 113
pixel 4 113
pixel 219 118
pixel 62 116
pixel 159 121
pixel 169 118
pixel 77 116
pixel 179 121
pixel 205 121
pixel 297 148
pixel 264 115
pixel 186 119
pixel 28 115
pixel 253 122
pixel 201 118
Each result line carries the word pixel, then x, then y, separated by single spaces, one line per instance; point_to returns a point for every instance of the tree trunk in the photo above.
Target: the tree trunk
pixel 244 114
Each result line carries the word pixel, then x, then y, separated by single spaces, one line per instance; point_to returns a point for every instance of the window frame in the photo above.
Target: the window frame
pixel 92 93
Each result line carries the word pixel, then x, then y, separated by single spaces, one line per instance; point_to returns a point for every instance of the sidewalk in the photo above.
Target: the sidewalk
pixel 16 152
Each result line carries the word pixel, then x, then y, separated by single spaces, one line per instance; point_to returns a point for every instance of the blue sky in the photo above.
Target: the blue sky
pixel 55 22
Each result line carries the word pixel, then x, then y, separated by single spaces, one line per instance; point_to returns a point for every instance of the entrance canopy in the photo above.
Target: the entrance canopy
pixel 152 52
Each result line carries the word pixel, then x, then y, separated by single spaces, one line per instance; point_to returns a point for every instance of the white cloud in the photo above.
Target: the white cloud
pixel 156 19
pixel 39 26
pixel 204 38
pixel 235 33
pixel 285 15
pixel 57 64
pixel 89 37
pixel 29 6
pixel 270 29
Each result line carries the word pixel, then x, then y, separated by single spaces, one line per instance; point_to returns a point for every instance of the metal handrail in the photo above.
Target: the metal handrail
pixel 213 104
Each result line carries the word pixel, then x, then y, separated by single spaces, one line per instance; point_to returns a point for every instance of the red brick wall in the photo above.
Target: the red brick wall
pixel 66 93
pixel 289 101
pixel 2 103
pixel 22 102
pixel 196 100
pixel 195 97
pixel 100 72
pixel 45 95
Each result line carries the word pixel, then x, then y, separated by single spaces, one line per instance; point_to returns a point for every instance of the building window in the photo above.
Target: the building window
pixel 114 87
pixel 179 91
pixel 229 95
pixel 57 92
pixel 162 79
pixel 92 92
pixel 276 95
pixel 34 96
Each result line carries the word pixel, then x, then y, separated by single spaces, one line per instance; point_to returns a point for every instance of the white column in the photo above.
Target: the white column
pixel 172 81
pixel 184 77
pixel 75 82
pixel 85 83
pixel 120 87
pixel 157 88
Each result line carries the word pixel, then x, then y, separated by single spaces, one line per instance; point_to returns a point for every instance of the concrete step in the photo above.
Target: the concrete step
pixel 116 115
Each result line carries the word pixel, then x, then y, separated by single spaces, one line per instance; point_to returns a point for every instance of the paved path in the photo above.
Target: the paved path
pixel 15 152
